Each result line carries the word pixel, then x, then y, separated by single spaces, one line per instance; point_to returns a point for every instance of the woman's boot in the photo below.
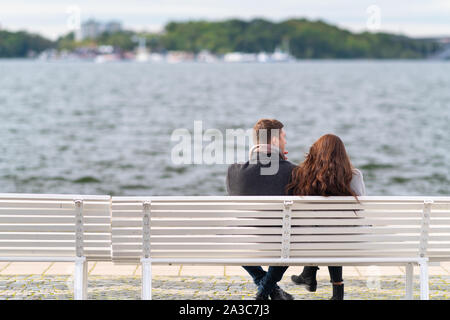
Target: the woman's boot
pixel 338 292
pixel 307 278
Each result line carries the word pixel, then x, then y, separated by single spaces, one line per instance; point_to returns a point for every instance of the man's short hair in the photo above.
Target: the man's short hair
pixel 268 125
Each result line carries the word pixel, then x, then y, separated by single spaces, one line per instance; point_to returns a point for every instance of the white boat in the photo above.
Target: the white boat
pixel 240 57
pixel 142 55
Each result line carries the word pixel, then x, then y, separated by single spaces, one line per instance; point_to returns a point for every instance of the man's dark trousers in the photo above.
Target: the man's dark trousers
pixel 266 281
pixel 246 180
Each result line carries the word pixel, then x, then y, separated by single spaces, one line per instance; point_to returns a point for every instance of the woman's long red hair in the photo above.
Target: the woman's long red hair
pixel 326 170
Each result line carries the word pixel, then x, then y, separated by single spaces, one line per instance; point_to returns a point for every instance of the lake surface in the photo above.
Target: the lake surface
pixel 105 128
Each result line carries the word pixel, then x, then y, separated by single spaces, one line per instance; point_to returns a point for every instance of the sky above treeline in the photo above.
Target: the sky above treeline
pixel 52 18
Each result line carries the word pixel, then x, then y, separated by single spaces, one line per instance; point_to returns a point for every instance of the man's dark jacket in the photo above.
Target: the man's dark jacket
pixel 246 179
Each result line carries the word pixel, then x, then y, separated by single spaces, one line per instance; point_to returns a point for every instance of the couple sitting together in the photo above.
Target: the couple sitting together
pixel 326 171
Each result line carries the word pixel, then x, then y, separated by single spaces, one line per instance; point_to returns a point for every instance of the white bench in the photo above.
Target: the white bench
pixel 56 228
pixel 282 231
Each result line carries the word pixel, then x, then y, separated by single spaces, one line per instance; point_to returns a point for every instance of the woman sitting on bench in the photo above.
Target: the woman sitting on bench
pixel 326 171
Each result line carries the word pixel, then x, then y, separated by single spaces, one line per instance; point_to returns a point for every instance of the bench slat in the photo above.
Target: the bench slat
pixel 295 214
pixel 255 214
pixel 51 205
pixel 419 199
pixel 197 231
pixel 192 222
pixel 206 254
pixel 51 220
pixel 267 230
pixel 48 251
pixel 439 245
pixel 50 212
pixel 52 228
pixel 233 206
pixel 274 246
pixel 270 238
pixel 201 205
pixel 203 246
pixel 51 236
pixel 197 214
pixel 183 239
pixel 267 222
pixel 46 244
pixel 353 253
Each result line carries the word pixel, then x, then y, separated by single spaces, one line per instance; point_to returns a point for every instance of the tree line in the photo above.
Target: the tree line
pixel 22 44
pixel 303 38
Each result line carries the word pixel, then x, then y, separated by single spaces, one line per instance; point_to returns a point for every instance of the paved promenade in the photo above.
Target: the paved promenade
pixel 108 281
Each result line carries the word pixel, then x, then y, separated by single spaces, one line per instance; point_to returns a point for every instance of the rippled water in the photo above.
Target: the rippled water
pixel 105 128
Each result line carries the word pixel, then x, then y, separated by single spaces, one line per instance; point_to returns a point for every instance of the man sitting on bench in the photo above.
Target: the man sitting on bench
pixel 266 173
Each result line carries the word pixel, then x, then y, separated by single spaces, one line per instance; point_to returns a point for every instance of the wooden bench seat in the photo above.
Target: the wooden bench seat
pixel 56 228
pixel 281 231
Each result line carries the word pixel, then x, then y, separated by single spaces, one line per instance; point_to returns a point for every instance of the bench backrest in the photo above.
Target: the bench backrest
pixel 276 227
pixel 438 248
pixel 48 226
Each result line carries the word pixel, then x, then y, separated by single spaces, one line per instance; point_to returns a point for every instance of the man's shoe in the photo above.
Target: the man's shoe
pixel 260 296
pixel 311 285
pixel 280 294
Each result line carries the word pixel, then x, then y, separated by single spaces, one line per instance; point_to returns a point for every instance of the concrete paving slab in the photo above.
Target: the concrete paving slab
pixel 109 268
pixel 348 271
pixel 202 271
pixel 26 268
pixel 367 271
pixel 161 270
pixel 435 271
pixel 165 270
pixel 61 268
pixel 235 271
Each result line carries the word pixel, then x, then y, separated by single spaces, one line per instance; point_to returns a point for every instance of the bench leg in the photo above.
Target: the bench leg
pixel 146 279
pixel 80 279
pixel 409 281
pixel 424 290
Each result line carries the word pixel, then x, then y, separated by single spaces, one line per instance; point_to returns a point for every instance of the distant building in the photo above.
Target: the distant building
pixel 92 29
pixel 112 26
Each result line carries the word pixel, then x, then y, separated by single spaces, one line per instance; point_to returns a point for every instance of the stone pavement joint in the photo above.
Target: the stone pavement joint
pixel 6 266
pixel 48 268
pixel 92 269
pixel 135 270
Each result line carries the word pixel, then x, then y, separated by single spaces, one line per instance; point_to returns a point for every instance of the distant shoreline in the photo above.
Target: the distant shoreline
pixel 298 38
pixel 298 61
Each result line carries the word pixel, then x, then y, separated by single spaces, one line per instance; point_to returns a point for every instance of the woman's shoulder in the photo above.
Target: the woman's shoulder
pixel 357 183
pixel 357 172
